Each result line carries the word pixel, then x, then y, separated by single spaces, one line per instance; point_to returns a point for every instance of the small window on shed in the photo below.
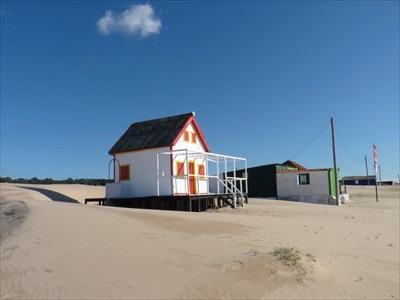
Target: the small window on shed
pixel 125 172
pixel 303 179
pixel 186 136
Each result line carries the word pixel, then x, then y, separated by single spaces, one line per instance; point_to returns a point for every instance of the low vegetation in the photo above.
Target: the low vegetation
pixel 293 258
pixel 35 180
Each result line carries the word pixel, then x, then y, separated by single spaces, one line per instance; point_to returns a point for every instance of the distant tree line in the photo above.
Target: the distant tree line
pixel 35 180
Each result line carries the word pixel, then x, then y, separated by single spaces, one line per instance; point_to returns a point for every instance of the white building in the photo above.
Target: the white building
pixel 306 185
pixel 170 157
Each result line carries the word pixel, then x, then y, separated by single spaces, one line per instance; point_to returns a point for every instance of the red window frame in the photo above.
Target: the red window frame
pixel 125 172
pixel 194 138
pixel 180 168
pixel 186 136
pixel 201 171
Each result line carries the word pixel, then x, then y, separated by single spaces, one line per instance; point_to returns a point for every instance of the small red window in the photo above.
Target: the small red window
pixel 180 168
pixel 186 136
pixel 201 171
pixel 124 172
pixel 194 138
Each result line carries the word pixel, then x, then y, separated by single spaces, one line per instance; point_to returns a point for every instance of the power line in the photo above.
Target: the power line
pixel 53 147
pixel 346 145
pixel 352 164
pixel 357 160
pixel 382 171
pixel 311 141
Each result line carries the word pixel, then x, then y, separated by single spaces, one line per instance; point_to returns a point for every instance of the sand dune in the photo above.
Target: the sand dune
pixel 73 251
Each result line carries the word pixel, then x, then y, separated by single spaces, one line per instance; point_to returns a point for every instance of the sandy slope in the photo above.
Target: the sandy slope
pixel 77 192
pixel 67 250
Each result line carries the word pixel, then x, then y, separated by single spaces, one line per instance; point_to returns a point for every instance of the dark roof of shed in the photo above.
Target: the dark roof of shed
pixel 151 134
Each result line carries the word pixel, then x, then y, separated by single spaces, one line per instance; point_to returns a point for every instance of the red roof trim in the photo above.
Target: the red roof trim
pixel 302 171
pixel 121 152
pixel 294 164
pixel 198 130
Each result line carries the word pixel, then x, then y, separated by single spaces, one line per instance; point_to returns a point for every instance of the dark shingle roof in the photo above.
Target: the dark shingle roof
pixel 151 134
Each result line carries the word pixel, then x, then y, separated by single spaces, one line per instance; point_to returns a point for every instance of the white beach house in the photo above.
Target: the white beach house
pixel 169 157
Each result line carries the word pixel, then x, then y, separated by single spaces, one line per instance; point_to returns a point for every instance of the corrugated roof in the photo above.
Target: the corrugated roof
pixel 151 134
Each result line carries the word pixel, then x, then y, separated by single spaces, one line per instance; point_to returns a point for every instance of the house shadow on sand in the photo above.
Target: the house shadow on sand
pixel 53 195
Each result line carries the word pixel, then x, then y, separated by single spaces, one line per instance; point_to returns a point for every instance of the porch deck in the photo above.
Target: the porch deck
pixel 192 203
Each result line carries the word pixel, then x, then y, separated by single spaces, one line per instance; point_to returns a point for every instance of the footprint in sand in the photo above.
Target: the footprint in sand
pixel 359 279
pixel 233 266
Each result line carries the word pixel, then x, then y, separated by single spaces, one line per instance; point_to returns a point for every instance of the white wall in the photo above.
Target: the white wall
pixel 315 192
pixel 180 184
pixel 143 175
pixel 181 144
pixel 143 171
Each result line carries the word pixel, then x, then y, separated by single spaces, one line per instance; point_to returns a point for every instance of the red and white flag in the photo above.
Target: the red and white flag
pixel 375 159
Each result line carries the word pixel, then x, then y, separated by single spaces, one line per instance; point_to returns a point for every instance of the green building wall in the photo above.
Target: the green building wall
pixel 331 175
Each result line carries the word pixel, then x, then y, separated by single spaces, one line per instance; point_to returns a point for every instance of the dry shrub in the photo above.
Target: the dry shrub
pixel 293 258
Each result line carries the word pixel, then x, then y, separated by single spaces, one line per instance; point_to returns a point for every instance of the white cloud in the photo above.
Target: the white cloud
pixel 137 20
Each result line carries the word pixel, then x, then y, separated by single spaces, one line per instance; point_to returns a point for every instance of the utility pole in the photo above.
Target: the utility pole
pixel 334 163
pixel 366 168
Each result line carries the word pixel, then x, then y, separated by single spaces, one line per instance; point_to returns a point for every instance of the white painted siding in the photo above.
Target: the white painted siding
pixel 180 185
pixel 143 175
pixel 181 144
pixel 315 192
pixel 143 171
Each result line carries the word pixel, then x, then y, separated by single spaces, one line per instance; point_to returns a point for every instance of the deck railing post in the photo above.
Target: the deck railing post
pixel 187 172
pixel 245 169
pixel 206 173
pixel 226 173
pixel 234 172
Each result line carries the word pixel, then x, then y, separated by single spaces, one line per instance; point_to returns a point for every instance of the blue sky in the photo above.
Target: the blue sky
pixel 264 78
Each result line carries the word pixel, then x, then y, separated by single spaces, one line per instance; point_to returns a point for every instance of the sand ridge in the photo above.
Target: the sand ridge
pixel 73 251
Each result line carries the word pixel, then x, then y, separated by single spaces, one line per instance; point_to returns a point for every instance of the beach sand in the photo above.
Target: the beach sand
pixel 66 250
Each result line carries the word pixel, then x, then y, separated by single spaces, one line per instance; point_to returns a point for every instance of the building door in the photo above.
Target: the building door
pixel 192 179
